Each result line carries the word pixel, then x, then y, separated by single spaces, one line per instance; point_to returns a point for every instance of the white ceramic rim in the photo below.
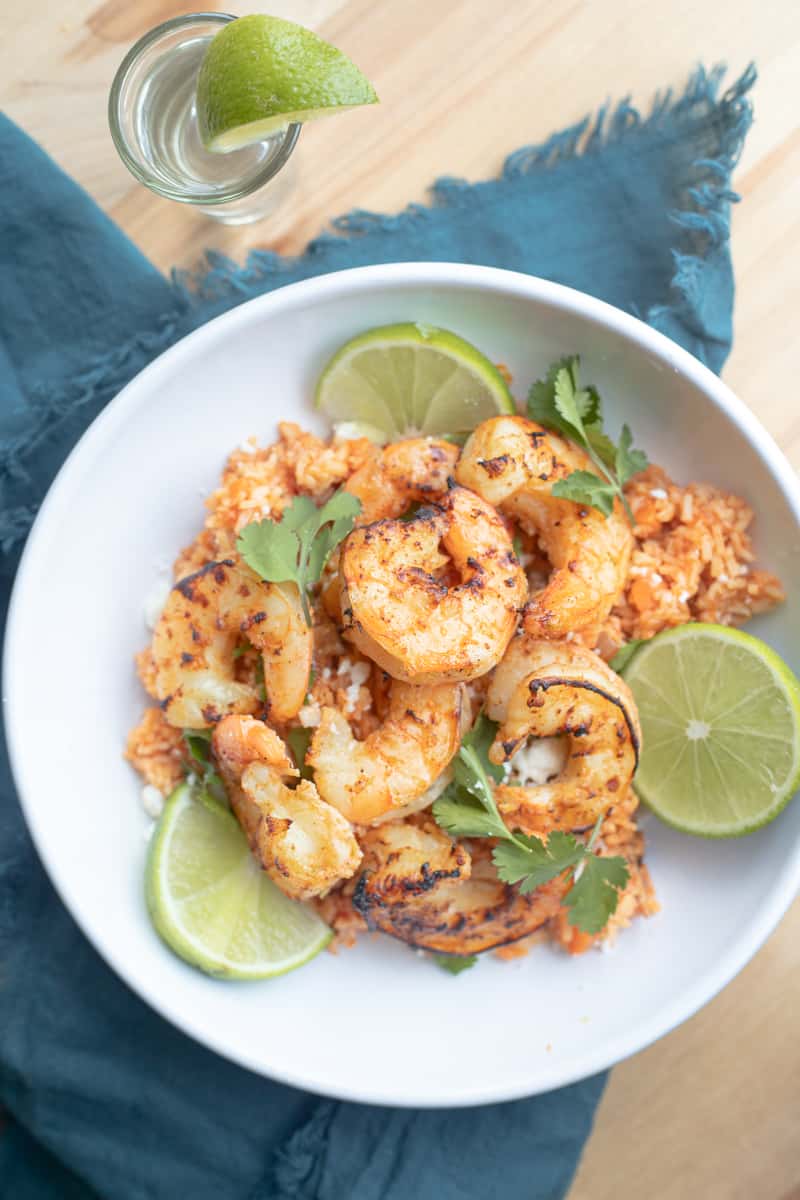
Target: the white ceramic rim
pixel 304 293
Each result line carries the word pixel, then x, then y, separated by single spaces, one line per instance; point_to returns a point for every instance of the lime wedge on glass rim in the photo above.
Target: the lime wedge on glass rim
pixel 262 73
pixel 720 715
pixel 410 380
pixel 214 906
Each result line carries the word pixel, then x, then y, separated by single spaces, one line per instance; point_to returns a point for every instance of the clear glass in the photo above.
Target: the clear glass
pixel 153 119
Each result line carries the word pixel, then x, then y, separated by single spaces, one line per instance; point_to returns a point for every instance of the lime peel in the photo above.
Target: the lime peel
pixel 261 73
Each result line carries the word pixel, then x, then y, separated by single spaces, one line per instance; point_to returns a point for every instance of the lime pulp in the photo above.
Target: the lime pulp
pixel 720 714
pixel 411 379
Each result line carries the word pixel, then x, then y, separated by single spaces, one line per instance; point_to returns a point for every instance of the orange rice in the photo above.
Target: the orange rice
pixel 692 560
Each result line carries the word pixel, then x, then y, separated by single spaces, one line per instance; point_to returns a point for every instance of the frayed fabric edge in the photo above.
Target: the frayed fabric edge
pixel 704 220
pixel 703 224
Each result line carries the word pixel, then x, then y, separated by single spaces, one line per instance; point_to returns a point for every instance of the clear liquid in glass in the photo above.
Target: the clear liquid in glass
pixel 165 119
pixel 153 120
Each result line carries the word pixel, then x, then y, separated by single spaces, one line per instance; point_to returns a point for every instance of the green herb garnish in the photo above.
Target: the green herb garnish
pixel 299 739
pixel 208 786
pixel 467 808
pixel 560 403
pixel 296 548
pixel 454 964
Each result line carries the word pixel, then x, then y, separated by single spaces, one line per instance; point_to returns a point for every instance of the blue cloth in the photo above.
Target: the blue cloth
pixel 104 1098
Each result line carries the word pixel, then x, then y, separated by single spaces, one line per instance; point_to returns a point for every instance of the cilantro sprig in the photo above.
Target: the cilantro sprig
pixel 467 808
pixel 560 403
pixel 207 782
pixel 296 548
pixel 454 964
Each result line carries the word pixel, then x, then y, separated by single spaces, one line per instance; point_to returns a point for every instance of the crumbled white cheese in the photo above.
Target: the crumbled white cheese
pixel 723 579
pixel 358 676
pixel 152 801
pixel 155 600
pixel 344 667
pixel 683 596
pixel 326 673
pixel 310 715
pixel 658 493
pixel 656 578
pixel 538 761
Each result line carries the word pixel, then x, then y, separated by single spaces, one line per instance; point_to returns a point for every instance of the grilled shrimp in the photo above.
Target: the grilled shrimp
pixel 206 615
pixel 513 463
pixel 422 888
pixel 422 627
pixel 542 689
pixel 399 761
pixel 305 845
pixel 414 469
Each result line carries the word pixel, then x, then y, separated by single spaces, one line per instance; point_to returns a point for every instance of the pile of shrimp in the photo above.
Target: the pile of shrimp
pixel 424 616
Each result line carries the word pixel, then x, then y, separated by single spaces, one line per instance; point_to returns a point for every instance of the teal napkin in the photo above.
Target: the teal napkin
pixel 103 1098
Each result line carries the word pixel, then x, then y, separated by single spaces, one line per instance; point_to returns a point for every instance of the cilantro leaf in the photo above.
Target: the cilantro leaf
pixel 628 461
pixel 198 743
pixel 333 523
pixel 573 403
pixel 296 514
pixel 473 768
pixel 462 816
pixel 299 740
pixel 466 808
pixel 625 653
pixel 530 863
pixel 542 399
pixel 207 786
pixel 560 403
pixel 454 964
pixel 593 897
pixel 270 549
pixel 602 446
pixel 296 548
pixel 585 488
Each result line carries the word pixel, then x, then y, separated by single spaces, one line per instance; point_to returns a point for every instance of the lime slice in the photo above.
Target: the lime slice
pixel 214 906
pixel 720 715
pixel 412 379
pixel 262 73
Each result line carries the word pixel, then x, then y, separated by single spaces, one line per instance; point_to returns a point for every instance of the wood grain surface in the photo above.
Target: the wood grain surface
pixel 709 1112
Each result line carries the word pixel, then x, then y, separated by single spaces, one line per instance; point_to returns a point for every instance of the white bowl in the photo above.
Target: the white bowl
pixel 377 1023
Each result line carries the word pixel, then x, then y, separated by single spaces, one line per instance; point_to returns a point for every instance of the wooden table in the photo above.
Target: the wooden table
pixel 710 1111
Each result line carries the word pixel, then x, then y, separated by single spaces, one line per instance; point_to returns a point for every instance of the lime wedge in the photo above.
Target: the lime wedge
pixel 262 73
pixel 720 715
pixel 214 906
pixel 412 379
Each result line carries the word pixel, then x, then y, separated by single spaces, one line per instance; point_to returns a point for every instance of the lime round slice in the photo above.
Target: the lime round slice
pixel 261 73
pixel 214 906
pixel 720 715
pixel 412 379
